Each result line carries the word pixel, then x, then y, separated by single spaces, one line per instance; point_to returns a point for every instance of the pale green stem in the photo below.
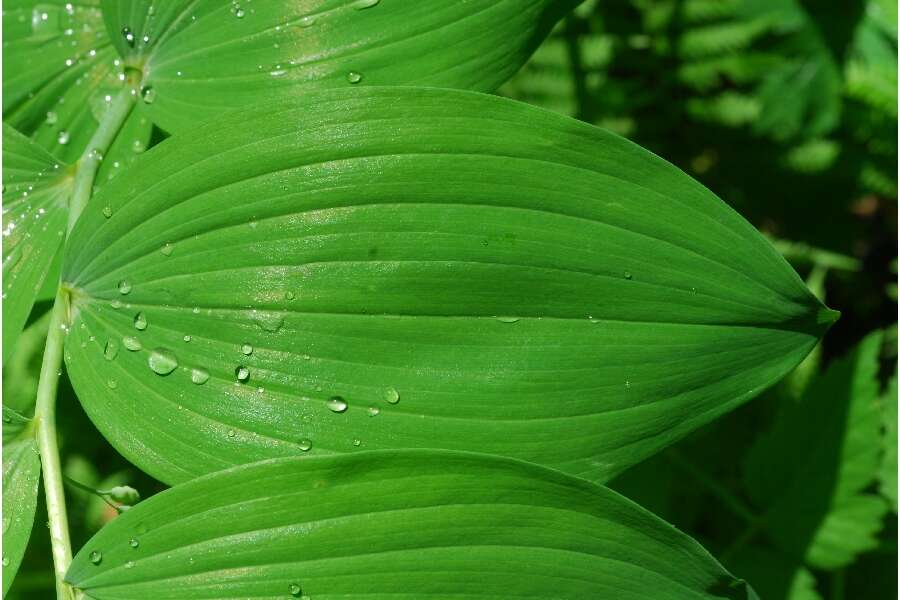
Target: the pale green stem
pixel 806 254
pixel 51 367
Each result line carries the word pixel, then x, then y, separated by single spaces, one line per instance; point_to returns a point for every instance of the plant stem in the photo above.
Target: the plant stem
pixel 51 367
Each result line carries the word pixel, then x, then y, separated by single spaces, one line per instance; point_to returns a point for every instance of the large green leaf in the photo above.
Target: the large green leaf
pixel 21 472
pixel 381 525
pixel 200 58
pixel 35 212
pixel 464 271
pixel 811 471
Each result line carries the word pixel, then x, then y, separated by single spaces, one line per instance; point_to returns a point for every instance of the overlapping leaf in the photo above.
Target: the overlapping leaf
pixel 395 524
pixel 21 472
pixel 888 473
pixel 35 211
pixel 464 272
pixel 817 506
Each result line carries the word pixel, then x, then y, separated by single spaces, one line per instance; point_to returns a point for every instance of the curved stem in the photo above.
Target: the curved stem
pixel 51 367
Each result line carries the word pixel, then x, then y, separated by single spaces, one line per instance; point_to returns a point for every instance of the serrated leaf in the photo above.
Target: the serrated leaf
pixel 35 210
pixel 463 271
pixel 888 474
pixel 810 471
pixel 389 524
pixel 21 472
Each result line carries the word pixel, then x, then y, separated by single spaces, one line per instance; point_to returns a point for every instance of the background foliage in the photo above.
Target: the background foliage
pixel 788 111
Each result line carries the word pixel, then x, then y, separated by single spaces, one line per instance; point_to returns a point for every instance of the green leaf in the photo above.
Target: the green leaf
pixel 21 472
pixel 812 468
pixel 200 58
pixel 888 473
pixel 35 212
pixel 390 524
pixel 464 271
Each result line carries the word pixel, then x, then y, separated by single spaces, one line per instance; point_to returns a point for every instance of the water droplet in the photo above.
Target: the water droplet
pixel 187 338
pixel 128 35
pixel 63 137
pixel 363 4
pixel 373 411
pixel 148 94
pixel 167 249
pixel 246 349
pixel 290 295
pixel 199 375
pixel 129 564
pixel 336 404
pixel 112 384
pixel 354 77
pixel 307 21
pixel 231 433
pixel 5 561
pixel 124 287
pixel 627 274
pixel 357 442
pixel 140 321
pixel 52 118
pixel 107 212
pixel 242 373
pixel 137 146
pixel 267 321
pixel 96 557
pixel 96 154
pixel 162 361
pixel 508 319
pixel 131 344
pixel 392 395
pixel 239 12
pixel 134 543
pixel 111 350
pixel 305 445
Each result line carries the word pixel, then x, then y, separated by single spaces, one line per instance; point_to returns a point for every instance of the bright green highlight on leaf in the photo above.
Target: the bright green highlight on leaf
pixel 528 286
pixel 381 524
pixel 35 210
pixel 21 473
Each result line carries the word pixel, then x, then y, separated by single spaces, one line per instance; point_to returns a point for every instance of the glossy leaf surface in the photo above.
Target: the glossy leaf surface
pixel 395 524
pixel 418 268
pixel 36 190
pixel 21 473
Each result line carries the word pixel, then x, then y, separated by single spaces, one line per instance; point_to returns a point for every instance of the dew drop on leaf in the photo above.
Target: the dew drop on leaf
pixel 239 12
pixel 112 384
pixel 627 274
pixel 111 350
pixel 305 445
pixel 392 395
pixel 128 35
pixel 107 212
pixel 373 411
pixel 357 442
pixel 162 361
pixel 242 373
pixel 186 338
pixel 231 433
pixel 363 4
pixel 131 343
pixel 51 118
pixel 63 137
pixel 295 589
pixel 354 77
pixel 124 287
pixel 5 561
pixel 246 349
pixel 148 94
pixel 199 375
pixel 96 557
pixel 129 564
pixel 140 321
pixel 307 21
pixel 267 321
pixel 134 543
pixel 336 404
pixel 167 249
